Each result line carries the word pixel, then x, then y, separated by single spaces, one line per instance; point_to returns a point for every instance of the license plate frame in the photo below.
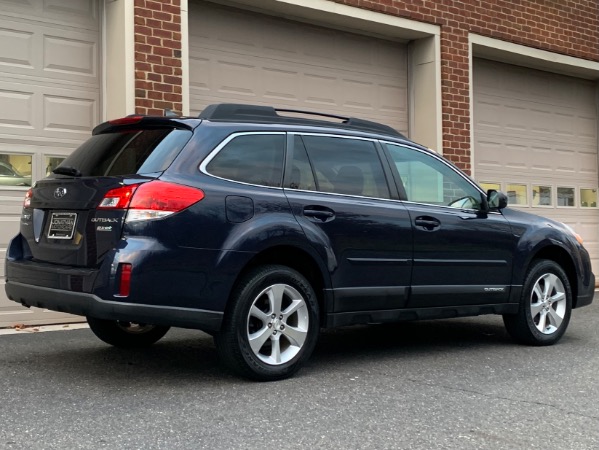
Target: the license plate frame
pixel 62 225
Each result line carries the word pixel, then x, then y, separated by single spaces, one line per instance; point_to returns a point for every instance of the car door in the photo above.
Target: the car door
pixel 339 193
pixel 462 254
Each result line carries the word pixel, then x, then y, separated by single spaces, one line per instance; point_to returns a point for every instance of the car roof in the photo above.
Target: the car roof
pixel 246 118
pixel 232 112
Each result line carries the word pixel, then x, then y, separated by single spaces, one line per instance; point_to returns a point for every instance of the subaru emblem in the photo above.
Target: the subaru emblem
pixel 60 192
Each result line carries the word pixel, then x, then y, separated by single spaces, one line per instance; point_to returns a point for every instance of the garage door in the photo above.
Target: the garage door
pixel 535 137
pixel 240 56
pixel 49 102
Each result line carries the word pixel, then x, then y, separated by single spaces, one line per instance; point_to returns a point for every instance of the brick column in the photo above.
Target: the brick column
pixel 158 73
pixel 455 93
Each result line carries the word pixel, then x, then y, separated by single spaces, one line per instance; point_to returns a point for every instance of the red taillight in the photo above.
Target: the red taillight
pixel 129 120
pixel 118 198
pixel 125 281
pixel 27 199
pixel 163 196
pixel 151 200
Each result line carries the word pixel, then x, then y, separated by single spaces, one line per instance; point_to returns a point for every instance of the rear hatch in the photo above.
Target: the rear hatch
pixel 65 220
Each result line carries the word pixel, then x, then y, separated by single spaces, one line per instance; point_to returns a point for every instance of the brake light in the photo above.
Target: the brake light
pixel 151 200
pixel 129 120
pixel 27 199
pixel 118 198
pixel 158 199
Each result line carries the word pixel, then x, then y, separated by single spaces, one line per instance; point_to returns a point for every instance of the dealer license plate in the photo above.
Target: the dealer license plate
pixel 62 225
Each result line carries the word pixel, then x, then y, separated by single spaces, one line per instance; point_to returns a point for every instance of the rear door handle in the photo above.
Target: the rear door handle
pixel 428 223
pixel 319 213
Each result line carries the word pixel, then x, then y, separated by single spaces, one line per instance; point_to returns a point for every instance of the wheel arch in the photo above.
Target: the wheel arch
pixel 303 262
pixel 561 257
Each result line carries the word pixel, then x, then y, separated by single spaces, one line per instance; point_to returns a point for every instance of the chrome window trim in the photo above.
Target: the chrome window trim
pixel 450 208
pixel 356 138
pixel 219 147
pixel 441 160
pixel 393 200
pixel 343 195
pixel 331 135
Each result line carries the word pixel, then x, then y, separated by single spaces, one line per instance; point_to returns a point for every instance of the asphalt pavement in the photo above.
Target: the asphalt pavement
pixel 451 384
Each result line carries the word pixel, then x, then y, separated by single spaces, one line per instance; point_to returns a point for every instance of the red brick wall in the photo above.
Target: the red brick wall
pixel 158 56
pixel 570 27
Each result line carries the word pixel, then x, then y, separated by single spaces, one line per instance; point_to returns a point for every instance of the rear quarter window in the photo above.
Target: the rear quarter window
pixel 128 152
pixel 252 158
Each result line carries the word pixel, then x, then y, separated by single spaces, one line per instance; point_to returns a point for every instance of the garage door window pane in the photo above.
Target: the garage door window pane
pixel 588 198
pixel 517 194
pixel 490 185
pixel 52 163
pixel 565 196
pixel 15 170
pixel 253 158
pixel 541 196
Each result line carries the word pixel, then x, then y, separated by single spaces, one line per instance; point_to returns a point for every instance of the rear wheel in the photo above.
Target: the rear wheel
pixel 545 306
pixel 271 326
pixel 126 334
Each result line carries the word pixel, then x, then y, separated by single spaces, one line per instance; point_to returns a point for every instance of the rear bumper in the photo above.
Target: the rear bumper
pixel 169 286
pixel 86 304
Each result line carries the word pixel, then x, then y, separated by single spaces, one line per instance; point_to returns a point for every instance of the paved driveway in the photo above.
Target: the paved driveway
pixel 453 384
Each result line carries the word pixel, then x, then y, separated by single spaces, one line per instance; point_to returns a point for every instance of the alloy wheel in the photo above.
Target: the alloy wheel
pixel 548 303
pixel 277 324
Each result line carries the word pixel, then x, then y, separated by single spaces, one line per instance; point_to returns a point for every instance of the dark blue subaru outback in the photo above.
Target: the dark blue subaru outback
pixel 260 228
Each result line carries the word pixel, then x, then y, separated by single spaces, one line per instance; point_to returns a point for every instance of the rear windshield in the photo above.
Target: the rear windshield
pixel 128 152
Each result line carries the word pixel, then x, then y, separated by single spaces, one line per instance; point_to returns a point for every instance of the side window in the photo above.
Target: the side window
pixel 251 158
pixel 346 166
pixel 428 180
pixel 302 176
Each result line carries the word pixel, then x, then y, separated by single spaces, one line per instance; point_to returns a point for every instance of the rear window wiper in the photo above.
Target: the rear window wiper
pixel 67 170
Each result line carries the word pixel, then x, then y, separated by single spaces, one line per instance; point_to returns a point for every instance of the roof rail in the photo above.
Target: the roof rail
pixel 269 114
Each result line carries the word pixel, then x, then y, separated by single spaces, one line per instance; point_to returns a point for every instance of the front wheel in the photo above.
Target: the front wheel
pixel 271 325
pixel 545 306
pixel 126 334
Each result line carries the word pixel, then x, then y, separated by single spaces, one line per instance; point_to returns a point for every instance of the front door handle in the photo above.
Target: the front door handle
pixel 426 222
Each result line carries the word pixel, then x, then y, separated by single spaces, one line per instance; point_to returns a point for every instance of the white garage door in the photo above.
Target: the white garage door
pixel 49 102
pixel 244 57
pixel 535 135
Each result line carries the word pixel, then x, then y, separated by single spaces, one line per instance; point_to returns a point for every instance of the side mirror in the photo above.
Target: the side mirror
pixel 496 199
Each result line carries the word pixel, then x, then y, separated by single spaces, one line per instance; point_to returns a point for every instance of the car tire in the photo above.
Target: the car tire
pixel 126 334
pixel 545 306
pixel 271 325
